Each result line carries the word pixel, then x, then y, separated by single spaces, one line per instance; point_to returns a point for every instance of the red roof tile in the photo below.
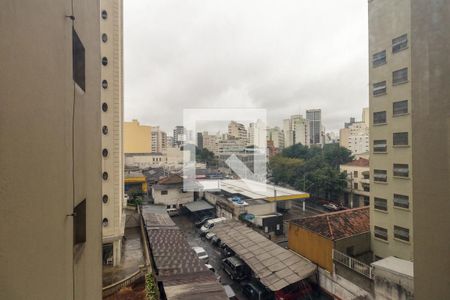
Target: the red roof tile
pixel 171 179
pixel 337 225
pixel 361 162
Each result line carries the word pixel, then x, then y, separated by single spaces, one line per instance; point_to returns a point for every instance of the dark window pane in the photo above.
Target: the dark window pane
pixel 400 76
pixel 401 170
pixel 380 175
pixel 401 233
pixel 380 203
pixel 379 88
pixel 381 233
pixel 379 117
pixel 400 139
pixel 379 58
pixel 78 61
pixel 400 108
pixel 79 223
pixel 401 201
pixel 400 43
pixel 379 146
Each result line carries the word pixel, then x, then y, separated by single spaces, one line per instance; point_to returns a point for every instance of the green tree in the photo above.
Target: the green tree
pixel 285 169
pixel 336 155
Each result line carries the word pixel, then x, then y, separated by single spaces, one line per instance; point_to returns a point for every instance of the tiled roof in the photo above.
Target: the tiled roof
pixel 275 266
pixel 171 179
pixel 361 162
pixel 337 225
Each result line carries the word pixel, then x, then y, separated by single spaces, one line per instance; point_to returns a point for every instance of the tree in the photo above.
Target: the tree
pixel 336 155
pixel 285 169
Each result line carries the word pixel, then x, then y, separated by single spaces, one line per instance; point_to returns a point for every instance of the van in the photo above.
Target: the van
pixel 172 212
pixel 210 224
pixel 235 268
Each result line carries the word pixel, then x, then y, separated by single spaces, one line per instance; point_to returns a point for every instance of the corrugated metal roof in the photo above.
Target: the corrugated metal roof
pixel 198 206
pixel 275 266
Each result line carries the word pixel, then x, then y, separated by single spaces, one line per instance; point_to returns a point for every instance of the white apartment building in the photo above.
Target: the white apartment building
pixel 237 130
pixel 355 135
pixel 113 222
pixel 257 135
pixel 210 142
pixel 276 135
pixel 296 131
pixel 357 191
pixel 231 146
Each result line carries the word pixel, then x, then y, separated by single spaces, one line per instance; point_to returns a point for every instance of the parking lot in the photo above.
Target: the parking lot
pixel 215 259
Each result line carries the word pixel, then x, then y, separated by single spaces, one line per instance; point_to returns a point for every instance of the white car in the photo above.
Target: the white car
pixel 211 268
pixel 201 254
pixel 210 224
pixel 209 235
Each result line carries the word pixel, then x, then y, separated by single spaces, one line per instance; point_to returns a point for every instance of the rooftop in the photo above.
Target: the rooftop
pixel 397 265
pixel 361 162
pixel 337 225
pixel 275 266
pixel 252 189
pixel 198 206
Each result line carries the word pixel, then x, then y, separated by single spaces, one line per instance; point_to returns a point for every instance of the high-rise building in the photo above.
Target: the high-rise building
pixel 179 136
pixel 210 142
pixel 137 138
pixel 113 221
pixel 51 145
pixel 355 135
pixel 257 134
pixel 159 140
pixel 237 130
pixel 296 131
pixel 276 136
pixel 314 117
pixel 390 129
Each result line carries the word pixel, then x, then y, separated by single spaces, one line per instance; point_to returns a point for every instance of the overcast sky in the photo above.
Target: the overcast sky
pixel 282 55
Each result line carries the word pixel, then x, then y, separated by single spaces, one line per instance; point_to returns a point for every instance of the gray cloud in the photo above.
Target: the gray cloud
pixel 285 56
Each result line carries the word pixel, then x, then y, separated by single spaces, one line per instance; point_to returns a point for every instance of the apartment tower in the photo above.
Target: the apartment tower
pixel 314 117
pixel 113 221
pixel 51 145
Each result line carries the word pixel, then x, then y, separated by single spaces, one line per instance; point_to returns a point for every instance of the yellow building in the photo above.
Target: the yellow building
pixel 50 122
pixel 137 138
pixel 112 119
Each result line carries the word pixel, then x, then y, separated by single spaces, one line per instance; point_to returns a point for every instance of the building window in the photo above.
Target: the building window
pixel 168 206
pixel 105 198
pixel 79 223
pixel 105 84
pixel 78 61
pixel 400 76
pixel 355 185
pixel 401 170
pixel 164 193
pixel 400 108
pixel 355 174
pixel 380 204
pixel 105 175
pixel 401 233
pixel 105 130
pixel 104 14
pixel 105 106
pixel 104 38
pixel 379 88
pixel 400 138
pixel 104 61
pixel 105 222
pixel 379 58
pixel 381 233
pixel 400 43
pixel 380 175
pixel 105 152
pixel 379 146
pixel 401 201
pixel 379 117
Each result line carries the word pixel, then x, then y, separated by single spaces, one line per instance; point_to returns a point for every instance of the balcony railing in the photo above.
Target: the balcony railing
pixel 353 264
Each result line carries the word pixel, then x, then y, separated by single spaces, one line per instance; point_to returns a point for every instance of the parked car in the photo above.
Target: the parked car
pixel 254 290
pixel 235 268
pixel 173 212
pixel 201 254
pixel 201 221
pixel 210 224
pixel 215 241
pixel 210 235
pixel 298 290
pixel 226 251
pixel 210 267
pixel 331 207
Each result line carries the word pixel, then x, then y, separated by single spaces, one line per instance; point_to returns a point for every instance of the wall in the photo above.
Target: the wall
pixel 137 138
pixel 311 245
pixel 431 147
pixel 360 242
pixel 392 285
pixel 340 287
pixel 59 158
pixel 262 209
pixel 174 196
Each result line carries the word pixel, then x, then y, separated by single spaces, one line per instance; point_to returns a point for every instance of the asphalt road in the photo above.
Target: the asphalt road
pixel 215 259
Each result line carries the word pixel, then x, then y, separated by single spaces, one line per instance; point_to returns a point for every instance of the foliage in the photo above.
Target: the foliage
pixel 312 169
pixel 150 287
pixel 206 156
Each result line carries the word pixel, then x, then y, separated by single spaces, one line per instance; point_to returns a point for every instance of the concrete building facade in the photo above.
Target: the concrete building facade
pixel 314 117
pixel 50 119
pixel 357 191
pixel 237 130
pixel 296 131
pixel 355 135
pixel 136 137
pixel 276 135
pixel 390 101
pixel 159 140
pixel 112 119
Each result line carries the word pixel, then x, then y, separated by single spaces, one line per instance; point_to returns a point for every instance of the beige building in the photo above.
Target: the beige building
pixel 137 138
pixel 391 169
pixel 296 131
pixel 276 135
pixel 357 191
pixel 355 135
pixel 112 120
pixel 211 142
pixel 50 141
pixel 159 140
pixel 237 130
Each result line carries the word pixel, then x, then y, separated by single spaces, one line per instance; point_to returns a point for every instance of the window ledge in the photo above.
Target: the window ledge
pixel 380 182
pixel 400 115
pixel 400 83
pixel 379 124
pixel 379 65
pixel 385 152
pixel 399 51
pixel 403 241
pixel 402 208
pixel 380 240
pixel 401 177
pixel 381 211
pixel 400 146
pixel 379 95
